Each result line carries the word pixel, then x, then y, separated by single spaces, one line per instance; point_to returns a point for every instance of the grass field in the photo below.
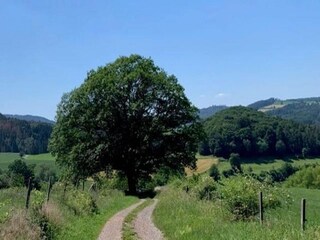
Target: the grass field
pixel 203 164
pixel 267 164
pixel 181 216
pixel 46 158
pixel 257 164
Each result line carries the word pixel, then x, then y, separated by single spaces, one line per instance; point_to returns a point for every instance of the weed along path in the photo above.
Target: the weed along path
pixel 113 228
pixel 143 224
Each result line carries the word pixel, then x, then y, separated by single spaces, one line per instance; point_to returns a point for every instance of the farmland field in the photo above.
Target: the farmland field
pixel 38 159
pixel 203 164
pixel 257 164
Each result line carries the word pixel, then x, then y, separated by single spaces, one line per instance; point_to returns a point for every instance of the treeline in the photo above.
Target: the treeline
pixel 303 112
pixel 22 136
pixel 251 133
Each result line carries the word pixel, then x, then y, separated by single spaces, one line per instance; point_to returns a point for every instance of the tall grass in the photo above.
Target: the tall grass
pixel 57 219
pixel 181 216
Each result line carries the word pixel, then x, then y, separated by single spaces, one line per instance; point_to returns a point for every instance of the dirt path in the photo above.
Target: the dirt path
pixel 113 228
pixel 144 226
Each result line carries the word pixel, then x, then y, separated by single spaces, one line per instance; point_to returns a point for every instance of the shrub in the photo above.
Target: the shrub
pixel 240 195
pixel 37 199
pixel 308 177
pixel 164 174
pixel 80 202
pixel 118 181
pixel 45 172
pixel 214 172
pixel 205 189
pixel 20 168
pixel 228 173
pixel 278 175
pixel 235 162
pixel 4 181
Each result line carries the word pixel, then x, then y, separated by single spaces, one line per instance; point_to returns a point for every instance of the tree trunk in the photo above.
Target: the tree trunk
pixel 132 183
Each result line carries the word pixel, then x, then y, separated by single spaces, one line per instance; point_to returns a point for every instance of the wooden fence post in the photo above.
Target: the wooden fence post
pixel 28 192
pixel 49 189
pixel 260 208
pixel 303 214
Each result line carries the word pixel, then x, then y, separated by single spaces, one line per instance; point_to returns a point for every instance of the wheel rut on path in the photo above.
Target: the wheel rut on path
pixel 144 226
pixel 112 230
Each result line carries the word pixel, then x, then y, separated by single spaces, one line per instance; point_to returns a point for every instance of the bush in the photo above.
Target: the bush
pixel 164 174
pixel 19 169
pixel 308 177
pixel 235 162
pixel 228 173
pixel 205 189
pixel 278 175
pixel 4 181
pixel 45 173
pixel 240 196
pixel 214 172
pixel 80 202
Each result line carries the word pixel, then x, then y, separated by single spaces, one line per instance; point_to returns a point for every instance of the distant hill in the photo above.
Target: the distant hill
pixel 209 111
pixel 29 118
pixel 253 133
pixel 302 110
pixel 30 137
pixel 262 103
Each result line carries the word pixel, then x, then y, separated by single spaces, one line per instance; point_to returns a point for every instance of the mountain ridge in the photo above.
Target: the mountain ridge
pixel 302 110
pixel 29 118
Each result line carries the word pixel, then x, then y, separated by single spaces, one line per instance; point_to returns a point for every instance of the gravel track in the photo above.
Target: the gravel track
pixel 112 230
pixel 143 224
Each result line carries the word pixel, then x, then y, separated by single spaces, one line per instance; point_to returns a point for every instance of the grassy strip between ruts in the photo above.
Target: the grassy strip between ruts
pixel 128 232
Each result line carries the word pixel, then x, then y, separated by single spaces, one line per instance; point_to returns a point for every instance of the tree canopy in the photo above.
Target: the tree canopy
pixel 129 115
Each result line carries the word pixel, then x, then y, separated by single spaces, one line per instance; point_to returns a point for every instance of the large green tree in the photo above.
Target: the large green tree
pixel 129 115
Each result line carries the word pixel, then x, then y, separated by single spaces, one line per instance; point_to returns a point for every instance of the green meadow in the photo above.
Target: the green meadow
pixel 265 164
pixel 38 159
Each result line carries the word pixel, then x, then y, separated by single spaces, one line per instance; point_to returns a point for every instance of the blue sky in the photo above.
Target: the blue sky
pixel 222 52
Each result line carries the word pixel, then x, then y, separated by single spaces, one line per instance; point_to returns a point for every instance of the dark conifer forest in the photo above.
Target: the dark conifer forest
pixel 23 136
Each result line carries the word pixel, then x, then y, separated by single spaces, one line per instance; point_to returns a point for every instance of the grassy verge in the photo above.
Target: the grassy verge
pixel 128 231
pixel 62 219
pixel 90 226
pixel 181 216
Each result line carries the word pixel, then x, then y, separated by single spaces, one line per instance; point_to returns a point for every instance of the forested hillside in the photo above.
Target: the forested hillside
pixel 262 103
pixel 29 118
pixel 209 111
pixel 303 112
pixel 252 133
pixel 22 136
